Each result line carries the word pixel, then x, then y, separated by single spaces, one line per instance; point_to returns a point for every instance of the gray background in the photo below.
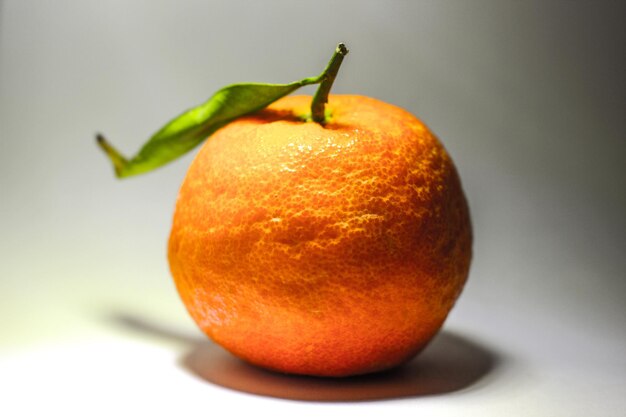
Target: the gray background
pixel 528 97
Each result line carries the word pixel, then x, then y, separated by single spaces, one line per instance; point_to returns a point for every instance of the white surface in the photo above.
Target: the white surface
pixel 527 96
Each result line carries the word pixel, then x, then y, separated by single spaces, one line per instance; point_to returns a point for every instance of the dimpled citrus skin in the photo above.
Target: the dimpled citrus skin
pixel 321 250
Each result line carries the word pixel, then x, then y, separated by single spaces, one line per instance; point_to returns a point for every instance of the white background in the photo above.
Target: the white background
pixel 528 97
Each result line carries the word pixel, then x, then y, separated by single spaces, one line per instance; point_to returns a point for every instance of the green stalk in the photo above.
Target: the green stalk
pixel 321 95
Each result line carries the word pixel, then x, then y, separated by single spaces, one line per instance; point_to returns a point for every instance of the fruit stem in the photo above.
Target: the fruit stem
pixel 330 73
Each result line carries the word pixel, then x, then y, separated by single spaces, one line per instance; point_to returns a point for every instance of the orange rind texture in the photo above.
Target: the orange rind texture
pixel 322 250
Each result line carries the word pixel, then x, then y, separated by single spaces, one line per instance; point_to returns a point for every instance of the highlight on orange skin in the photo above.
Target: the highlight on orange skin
pixel 322 250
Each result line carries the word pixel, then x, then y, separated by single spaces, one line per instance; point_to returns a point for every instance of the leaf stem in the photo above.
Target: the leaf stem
pixel 330 73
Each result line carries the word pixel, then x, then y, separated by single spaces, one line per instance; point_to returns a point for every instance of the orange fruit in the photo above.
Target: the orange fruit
pixel 321 250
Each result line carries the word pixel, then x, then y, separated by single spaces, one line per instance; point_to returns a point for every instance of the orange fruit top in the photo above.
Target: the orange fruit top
pixel 322 250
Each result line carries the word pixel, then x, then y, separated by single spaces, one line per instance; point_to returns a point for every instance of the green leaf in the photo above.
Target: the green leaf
pixel 192 127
